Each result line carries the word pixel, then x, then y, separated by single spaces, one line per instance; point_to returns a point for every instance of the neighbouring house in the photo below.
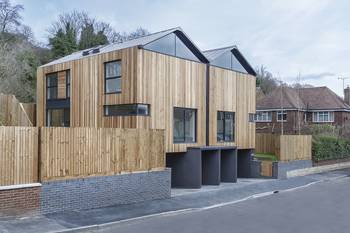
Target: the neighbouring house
pixel 298 108
pixel 205 101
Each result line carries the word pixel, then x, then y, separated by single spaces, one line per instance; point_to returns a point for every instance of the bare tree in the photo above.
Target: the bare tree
pixel 9 15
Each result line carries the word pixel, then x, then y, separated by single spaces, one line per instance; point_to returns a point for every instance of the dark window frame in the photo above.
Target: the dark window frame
pixel 137 111
pixel 224 126
pixel 51 86
pixel 64 116
pixel 68 80
pixel 184 123
pixel 111 78
pixel 175 50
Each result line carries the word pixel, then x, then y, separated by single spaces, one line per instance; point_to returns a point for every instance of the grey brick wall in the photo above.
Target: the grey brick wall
pixel 102 191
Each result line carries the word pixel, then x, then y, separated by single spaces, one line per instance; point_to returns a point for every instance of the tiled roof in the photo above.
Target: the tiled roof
pixel 314 98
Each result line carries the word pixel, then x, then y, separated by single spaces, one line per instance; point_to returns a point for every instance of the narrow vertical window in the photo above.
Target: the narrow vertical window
pixel 113 77
pixel 68 84
pixel 51 86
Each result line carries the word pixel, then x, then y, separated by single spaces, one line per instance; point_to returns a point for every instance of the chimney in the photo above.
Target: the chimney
pixel 347 95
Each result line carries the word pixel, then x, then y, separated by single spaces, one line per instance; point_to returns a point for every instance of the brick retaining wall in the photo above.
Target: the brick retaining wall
pixel 19 199
pixel 102 191
pixel 85 193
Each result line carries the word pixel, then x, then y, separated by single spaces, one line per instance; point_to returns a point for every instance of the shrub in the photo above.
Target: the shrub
pixel 328 148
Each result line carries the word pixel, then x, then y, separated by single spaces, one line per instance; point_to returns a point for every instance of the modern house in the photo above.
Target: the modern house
pixel 205 101
pixel 298 108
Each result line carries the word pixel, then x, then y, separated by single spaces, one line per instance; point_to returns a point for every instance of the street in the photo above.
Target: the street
pixel 320 208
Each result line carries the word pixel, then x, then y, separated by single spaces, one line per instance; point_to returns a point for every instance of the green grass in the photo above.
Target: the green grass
pixel 266 156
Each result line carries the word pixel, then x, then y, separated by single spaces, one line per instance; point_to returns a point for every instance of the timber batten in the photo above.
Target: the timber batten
pixel 162 82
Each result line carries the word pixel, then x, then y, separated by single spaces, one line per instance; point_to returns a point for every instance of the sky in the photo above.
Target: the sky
pixel 288 37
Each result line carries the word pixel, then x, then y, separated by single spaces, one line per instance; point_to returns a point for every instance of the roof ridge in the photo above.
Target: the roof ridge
pixel 209 50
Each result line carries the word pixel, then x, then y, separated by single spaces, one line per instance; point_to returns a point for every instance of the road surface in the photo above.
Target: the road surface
pixel 321 208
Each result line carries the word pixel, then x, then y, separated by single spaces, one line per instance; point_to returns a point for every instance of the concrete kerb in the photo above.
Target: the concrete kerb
pixel 319 169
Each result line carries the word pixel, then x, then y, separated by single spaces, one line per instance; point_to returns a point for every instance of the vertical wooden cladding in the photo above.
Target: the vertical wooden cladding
pixel 222 97
pixel 234 92
pixel 87 89
pixel 18 155
pixel 166 82
pixel 80 152
pixel 285 147
pixel 14 113
pixel 245 130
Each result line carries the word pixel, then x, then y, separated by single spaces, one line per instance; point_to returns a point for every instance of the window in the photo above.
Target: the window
pixel 251 117
pixel 58 117
pixel 282 116
pixel 172 45
pixel 229 61
pixel 263 117
pixel 181 50
pixel 51 86
pixel 164 45
pixel 185 125
pixel 127 110
pixel 225 126
pixel 323 117
pixel 68 83
pixel 113 77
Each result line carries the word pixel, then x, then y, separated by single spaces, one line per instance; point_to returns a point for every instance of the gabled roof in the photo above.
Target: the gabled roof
pixel 212 54
pixel 141 41
pixel 314 98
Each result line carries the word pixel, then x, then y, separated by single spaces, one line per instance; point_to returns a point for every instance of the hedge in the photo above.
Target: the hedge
pixel 328 148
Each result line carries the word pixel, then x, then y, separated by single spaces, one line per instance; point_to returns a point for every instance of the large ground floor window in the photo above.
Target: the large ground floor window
pixel 225 126
pixel 58 117
pixel 323 117
pixel 185 125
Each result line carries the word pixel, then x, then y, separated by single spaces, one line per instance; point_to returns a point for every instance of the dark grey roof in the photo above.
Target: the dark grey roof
pixel 212 54
pixel 141 41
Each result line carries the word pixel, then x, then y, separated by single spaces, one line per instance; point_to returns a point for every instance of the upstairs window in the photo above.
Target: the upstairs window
pixel 282 116
pixel 68 83
pixel 323 117
pixel 172 45
pixel 229 61
pixel 113 77
pixel 184 125
pixel 127 110
pixel 263 117
pixel 51 86
pixel 225 126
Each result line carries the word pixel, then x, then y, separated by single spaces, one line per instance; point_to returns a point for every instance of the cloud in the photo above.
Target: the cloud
pixel 317 76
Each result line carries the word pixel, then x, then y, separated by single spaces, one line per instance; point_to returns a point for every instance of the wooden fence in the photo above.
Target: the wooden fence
pixel 285 147
pixel 18 155
pixel 30 154
pixel 81 152
pixel 13 113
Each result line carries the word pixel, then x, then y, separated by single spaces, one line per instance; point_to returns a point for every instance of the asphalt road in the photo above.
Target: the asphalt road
pixel 321 208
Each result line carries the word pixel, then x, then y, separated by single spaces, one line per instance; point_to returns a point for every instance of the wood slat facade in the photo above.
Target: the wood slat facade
pixel 232 92
pixel 163 82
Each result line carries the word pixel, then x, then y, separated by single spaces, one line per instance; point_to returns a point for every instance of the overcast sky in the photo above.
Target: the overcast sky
pixel 290 36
